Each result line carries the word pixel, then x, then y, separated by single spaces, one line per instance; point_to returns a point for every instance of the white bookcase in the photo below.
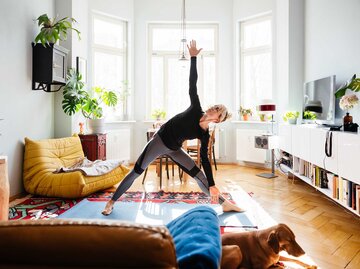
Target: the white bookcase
pixel 306 143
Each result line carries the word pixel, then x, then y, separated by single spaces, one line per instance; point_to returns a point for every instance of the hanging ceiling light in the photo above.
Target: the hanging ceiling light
pixel 183 42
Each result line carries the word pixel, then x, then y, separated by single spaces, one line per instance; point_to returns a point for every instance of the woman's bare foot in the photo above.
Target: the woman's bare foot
pixel 227 206
pixel 108 208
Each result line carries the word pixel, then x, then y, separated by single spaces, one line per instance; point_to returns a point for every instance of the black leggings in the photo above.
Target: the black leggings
pixel 155 148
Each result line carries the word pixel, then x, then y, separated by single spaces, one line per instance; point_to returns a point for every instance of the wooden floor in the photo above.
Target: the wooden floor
pixel 329 234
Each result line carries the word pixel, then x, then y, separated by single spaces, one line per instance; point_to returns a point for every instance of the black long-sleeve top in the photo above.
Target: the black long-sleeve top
pixel 185 126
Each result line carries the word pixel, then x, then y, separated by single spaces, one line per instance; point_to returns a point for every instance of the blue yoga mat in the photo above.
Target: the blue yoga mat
pixel 150 213
pixel 147 212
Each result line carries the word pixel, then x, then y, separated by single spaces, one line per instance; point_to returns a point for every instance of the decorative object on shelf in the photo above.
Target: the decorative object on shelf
pixel 49 59
pixel 76 99
pixel 81 128
pixel 245 113
pixel 159 116
pixel 268 107
pixel 183 41
pixel 291 116
pixel 81 67
pixel 352 84
pixel 348 102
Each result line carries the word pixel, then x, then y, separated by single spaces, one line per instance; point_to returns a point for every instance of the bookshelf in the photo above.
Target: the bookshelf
pixel 306 146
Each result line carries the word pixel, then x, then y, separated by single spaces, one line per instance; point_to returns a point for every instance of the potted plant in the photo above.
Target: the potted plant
pixel 53 30
pixel 309 115
pixel 159 116
pixel 245 112
pixel 89 103
pixel 291 116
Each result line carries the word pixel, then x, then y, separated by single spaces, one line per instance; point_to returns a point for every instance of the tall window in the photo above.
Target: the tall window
pixel 109 52
pixel 255 61
pixel 169 77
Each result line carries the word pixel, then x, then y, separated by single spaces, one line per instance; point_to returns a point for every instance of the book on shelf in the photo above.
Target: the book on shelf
pixel 341 189
pixel 349 193
pixel 335 187
pixel 301 167
pixel 353 196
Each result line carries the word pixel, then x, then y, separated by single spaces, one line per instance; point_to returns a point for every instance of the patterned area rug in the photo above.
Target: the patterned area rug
pixel 41 208
pixel 47 208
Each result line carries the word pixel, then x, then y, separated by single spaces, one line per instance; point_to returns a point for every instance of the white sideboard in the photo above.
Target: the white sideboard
pixel 307 142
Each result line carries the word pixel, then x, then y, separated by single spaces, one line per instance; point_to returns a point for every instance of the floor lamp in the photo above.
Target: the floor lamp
pixel 267 107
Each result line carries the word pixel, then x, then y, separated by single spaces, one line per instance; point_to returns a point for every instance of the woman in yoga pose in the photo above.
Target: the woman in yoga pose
pixel 190 124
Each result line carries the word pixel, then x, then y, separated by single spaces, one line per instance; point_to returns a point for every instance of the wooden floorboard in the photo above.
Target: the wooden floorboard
pixel 329 233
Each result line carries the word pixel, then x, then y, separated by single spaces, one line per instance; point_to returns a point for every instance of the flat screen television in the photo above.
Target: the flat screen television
pixel 319 100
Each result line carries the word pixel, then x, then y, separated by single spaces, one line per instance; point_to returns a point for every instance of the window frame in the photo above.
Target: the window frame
pixel 166 55
pixel 253 51
pixel 124 52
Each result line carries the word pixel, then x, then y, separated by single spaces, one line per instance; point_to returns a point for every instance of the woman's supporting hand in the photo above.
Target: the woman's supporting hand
pixel 193 51
pixel 214 193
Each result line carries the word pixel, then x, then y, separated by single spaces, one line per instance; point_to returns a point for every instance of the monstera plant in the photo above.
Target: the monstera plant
pixel 89 103
pixel 352 84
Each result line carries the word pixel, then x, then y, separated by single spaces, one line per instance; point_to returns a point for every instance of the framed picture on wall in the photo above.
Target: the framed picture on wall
pixel 81 68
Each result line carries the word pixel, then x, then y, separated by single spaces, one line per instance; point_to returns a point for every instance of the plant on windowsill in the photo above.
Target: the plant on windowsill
pixel 159 115
pixel 89 103
pixel 291 116
pixel 53 30
pixel 309 115
pixel 245 113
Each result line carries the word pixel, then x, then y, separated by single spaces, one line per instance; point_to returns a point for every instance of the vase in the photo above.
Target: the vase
pixel 96 126
pixel 292 121
pixel 347 119
pixel 245 117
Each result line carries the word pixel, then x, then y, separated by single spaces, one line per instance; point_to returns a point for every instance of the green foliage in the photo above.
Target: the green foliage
pixel 245 111
pixel 158 114
pixel 76 98
pixel 291 115
pixel 353 84
pixel 309 115
pixel 53 30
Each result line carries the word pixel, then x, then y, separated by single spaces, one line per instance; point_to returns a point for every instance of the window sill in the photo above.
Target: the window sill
pixel 119 121
pixel 252 122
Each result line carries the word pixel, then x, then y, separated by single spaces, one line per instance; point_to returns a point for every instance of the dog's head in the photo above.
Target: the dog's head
pixel 281 238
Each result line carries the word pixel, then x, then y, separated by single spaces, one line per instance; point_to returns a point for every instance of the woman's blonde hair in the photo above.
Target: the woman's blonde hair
pixel 224 113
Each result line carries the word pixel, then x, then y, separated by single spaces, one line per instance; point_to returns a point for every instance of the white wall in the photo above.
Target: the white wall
pixel 332 41
pixel 26 112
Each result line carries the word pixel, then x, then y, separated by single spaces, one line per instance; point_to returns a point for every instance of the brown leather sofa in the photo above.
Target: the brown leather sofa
pixel 84 244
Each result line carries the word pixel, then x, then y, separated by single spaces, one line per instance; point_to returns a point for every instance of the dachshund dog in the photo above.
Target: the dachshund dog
pixel 260 249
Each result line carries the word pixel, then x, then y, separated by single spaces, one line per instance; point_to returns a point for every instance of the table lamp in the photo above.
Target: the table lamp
pixel 268 107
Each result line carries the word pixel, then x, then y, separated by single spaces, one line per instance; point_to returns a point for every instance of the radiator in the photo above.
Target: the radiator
pixel 245 146
pixel 118 144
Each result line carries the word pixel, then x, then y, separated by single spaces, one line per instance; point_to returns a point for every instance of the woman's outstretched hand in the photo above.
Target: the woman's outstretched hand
pixel 193 51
